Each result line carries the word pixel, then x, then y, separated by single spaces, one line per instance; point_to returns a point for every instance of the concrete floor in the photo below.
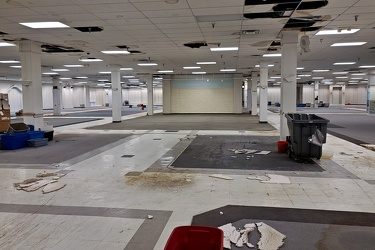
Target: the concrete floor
pixel 112 189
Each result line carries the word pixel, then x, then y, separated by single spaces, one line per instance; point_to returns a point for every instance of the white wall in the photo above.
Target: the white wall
pixel 356 94
pixel 78 96
pixel 308 93
pixel 323 93
pixel 67 98
pixel 274 93
pixel 47 96
pixel 158 96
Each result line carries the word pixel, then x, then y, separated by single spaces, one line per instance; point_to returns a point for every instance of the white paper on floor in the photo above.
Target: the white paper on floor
pixel 243 151
pixel 270 238
pixel 263 153
pixel 50 185
pixel 220 176
pixel 271 178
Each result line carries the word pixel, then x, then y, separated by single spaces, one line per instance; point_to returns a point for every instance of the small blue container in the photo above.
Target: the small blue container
pixel 14 141
pixel 36 134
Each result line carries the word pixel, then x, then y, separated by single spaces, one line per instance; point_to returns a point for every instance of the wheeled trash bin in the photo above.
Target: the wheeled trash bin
pixel 307 133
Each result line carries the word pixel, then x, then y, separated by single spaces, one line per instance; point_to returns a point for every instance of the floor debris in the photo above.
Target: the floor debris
pixel 243 151
pixel 38 185
pixel 188 138
pixel 28 181
pixel 150 217
pixel 263 152
pixel 271 178
pixel 52 187
pixel 220 176
pixel 270 238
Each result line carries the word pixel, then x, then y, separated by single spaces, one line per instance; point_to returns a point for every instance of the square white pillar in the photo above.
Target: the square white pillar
pixel 263 102
pixel 254 93
pixel 150 95
pixel 116 94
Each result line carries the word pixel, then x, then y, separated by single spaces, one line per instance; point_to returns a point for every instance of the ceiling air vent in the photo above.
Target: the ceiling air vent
pixel 58 49
pixel 195 45
pixel 89 29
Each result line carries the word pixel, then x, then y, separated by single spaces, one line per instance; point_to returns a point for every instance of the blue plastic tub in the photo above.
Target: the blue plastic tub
pixel 14 141
pixel 36 134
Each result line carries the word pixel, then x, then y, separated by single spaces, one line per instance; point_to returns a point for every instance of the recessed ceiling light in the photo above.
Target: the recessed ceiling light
pixel 339 73
pixel 81 77
pixel 80 82
pixel 272 55
pixel 90 60
pixel 65 78
pixel 304 75
pixel 103 80
pixel 300 68
pixel 45 25
pixel 192 67
pixel 269 65
pixel 358 74
pixel 341 77
pixel 126 68
pixel 317 78
pixel 50 73
pixel 224 49
pixel 275 77
pixel 128 76
pixel 199 73
pixel 357 78
pixel 105 72
pixel 348 44
pixel 165 71
pixel 344 63
pixel 16 66
pixel 298 78
pixel 10 61
pixel 336 32
pixel 58 70
pixel 320 70
pixel 74 65
pixel 228 70
pixel 115 52
pixel 4 44
pixel 367 66
pixel 207 63
pixel 147 64
pixel 101 84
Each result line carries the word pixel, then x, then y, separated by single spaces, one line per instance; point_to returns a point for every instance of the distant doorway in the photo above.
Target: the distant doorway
pixel 337 95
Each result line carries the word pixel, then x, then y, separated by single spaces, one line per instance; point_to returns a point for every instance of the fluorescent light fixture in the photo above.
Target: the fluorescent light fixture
pixel 192 67
pixel 90 60
pixel 269 65
pixel 228 70
pixel 16 66
pixel 358 74
pixel 126 68
pixel 353 81
pixel 336 32
pixel 304 75
pixel 341 77
pixel 272 55
pixel 128 76
pixel 206 63
pixel 101 84
pixel 357 78
pixel 275 77
pixel 300 68
pixel 367 66
pixel 298 78
pixel 81 77
pixel 158 78
pixel 317 78
pixel 344 63
pixel 103 80
pixel 199 73
pixel 147 64
pixel 80 82
pixel 320 70
pixel 165 71
pixel 339 73
pixel 50 73
pixel 348 44
pixel 45 25
pixel 5 44
pixel 65 78
pixel 59 70
pixel 10 61
pixel 74 65
pixel 115 52
pixel 271 80
pixel 224 49
pixel 105 72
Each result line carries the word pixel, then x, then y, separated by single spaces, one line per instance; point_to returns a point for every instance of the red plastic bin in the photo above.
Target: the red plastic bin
pixel 195 238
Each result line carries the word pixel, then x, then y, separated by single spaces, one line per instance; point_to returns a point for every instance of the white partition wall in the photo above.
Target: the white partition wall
pixel 356 94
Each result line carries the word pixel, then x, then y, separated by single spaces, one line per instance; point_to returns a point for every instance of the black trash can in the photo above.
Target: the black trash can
pixel 303 130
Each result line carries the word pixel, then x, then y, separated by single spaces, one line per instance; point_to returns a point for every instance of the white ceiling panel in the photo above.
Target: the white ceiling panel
pixel 161 6
pixel 217 11
pixel 196 4
pixel 18 12
pixel 170 13
pixel 106 7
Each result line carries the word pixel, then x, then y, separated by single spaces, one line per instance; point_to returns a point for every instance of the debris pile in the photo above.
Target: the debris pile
pixel 248 151
pixel 188 138
pixel 50 184
pixel 270 238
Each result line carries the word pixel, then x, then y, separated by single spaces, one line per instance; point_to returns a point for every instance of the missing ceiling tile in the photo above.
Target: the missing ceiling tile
pixel 58 49
pixel 127 156
pixel 89 29
pixel 195 45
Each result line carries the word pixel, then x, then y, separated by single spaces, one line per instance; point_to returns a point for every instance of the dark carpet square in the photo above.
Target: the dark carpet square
pixel 212 152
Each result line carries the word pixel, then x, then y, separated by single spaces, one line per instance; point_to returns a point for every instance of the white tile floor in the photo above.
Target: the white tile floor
pixel 100 182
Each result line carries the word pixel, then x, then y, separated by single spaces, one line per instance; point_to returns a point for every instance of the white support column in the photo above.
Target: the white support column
pixel 237 95
pixel 371 93
pixel 263 102
pixel 87 96
pixel 116 94
pixel 244 96
pixel 32 88
pixel 150 95
pixel 248 96
pixel 56 93
pixel 254 93
pixel 166 96
pixel 289 43
pixel 316 94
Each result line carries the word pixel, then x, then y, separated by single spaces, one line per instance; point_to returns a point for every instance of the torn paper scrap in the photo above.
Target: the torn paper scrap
pixel 263 152
pixel 275 178
pixel 258 178
pixel 220 176
pixel 244 238
pixel 52 187
pixel 38 185
pixel 228 229
pixel 270 238
pixel 243 151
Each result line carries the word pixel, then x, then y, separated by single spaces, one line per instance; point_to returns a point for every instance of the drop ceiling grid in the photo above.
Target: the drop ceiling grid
pixel 217 11
pixel 196 4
